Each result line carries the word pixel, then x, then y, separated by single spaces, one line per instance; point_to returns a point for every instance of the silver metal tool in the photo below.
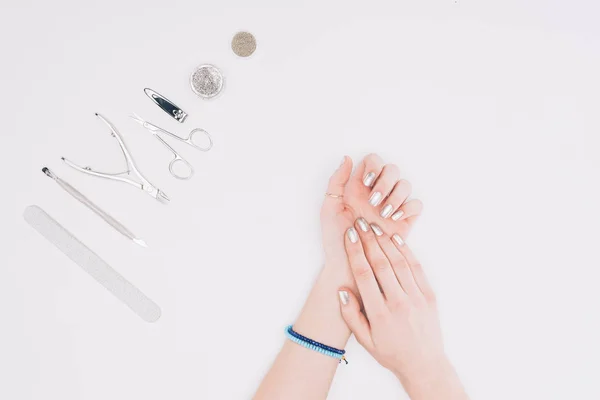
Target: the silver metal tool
pixel 88 203
pixel 143 183
pixel 89 261
pixel 155 130
pixel 166 105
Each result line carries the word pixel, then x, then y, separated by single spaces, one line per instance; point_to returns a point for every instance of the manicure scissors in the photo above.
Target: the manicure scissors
pixel 155 130
pixel 143 183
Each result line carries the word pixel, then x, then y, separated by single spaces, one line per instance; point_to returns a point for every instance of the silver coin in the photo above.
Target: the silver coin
pixel 207 81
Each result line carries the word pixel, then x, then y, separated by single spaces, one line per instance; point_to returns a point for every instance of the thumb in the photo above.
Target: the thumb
pixel 355 319
pixel 337 181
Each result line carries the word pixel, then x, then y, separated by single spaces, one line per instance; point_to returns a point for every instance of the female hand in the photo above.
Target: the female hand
pixel 401 327
pixel 351 194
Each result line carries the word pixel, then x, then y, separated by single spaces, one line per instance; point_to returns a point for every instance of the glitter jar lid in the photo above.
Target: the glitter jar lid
pixel 243 44
pixel 206 81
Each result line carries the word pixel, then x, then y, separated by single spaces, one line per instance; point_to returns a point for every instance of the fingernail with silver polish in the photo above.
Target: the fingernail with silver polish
pixel 375 199
pixel 344 298
pixel 386 211
pixel 363 225
pixel 377 230
pixel 397 215
pixel 369 179
pixel 398 239
pixel 343 161
pixel 352 235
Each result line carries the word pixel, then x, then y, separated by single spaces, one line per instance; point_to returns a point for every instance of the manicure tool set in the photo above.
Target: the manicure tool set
pixel 207 82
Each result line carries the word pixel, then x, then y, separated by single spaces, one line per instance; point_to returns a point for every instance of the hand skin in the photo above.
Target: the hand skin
pixel 400 325
pixel 299 373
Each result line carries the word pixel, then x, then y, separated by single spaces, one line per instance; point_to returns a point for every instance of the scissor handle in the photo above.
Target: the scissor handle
pixel 176 160
pixel 190 139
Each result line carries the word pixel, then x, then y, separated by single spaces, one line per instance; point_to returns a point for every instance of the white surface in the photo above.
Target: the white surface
pixel 490 108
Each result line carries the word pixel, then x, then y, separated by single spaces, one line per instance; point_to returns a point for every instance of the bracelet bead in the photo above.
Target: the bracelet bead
pixel 314 345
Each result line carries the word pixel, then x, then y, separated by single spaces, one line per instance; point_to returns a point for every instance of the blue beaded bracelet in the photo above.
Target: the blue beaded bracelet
pixel 314 345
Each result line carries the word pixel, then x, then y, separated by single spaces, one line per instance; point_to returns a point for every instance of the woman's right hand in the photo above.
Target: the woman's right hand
pixel 401 327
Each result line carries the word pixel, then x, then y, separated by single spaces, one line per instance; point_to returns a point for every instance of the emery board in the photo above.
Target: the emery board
pixel 91 263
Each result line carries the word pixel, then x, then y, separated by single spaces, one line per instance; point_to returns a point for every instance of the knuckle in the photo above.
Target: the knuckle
pixel 349 316
pixel 399 305
pixel 380 263
pixel 362 272
pixel 392 168
pixel 400 265
pixel 379 315
pixel 419 301
pixel 417 267
pixel 334 181
pixel 406 185
pixel 396 260
pixel 355 253
pixel 372 158
pixel 418 204
pixel 431 297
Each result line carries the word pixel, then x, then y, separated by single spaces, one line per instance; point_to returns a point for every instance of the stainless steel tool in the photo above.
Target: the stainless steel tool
pixel 143 183
pixel 166 105
pixel 155 130
pixel 89 204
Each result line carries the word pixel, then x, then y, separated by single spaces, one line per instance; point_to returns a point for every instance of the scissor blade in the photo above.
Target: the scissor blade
pixel 137 118
pixel 162 197
pixel 151 127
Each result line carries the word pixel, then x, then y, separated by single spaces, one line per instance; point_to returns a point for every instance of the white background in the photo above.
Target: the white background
pixel 489 108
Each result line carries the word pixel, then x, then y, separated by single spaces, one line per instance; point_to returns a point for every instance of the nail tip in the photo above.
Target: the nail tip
pixel 386 211
pixel 352 235
pixel 375 199
pixel 368 179
pixel 397 215
pixel 376 229
pixel 363 224
pixel 398 239
pixel 343 296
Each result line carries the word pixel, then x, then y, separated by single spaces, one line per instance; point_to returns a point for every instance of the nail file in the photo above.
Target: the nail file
pixel 103 273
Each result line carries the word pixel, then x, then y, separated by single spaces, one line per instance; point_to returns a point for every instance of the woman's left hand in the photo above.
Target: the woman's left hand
pixel 349 197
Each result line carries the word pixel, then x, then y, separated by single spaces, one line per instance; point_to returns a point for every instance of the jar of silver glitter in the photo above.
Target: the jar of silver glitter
pixel 207 81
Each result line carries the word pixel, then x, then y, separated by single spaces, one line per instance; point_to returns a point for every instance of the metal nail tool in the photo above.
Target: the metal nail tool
pixel 143 183
pixel 155 130
pixel 88 203
pixel 166 105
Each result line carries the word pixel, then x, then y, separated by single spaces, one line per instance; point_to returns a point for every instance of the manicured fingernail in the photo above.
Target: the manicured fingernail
pixel 375 199
pixel 386 211
pixel 377 230
pixel 343 161
pixel 369 179
pixel 363 225
pixel 352 235
pixel 344 298
pixel 397 215
pixel 398 239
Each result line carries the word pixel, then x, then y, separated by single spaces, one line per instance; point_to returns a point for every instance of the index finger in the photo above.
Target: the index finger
pixel 363 274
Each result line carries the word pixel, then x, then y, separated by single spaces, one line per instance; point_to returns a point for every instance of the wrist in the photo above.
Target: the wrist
pixel 320 318
pixel 435 379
